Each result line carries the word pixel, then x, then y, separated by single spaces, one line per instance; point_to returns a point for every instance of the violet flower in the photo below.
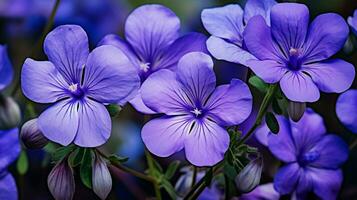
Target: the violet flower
pixel 352 21
pixel 226 25
pixel 293 53
pixel 262 192
pixel 153 43
pixel 6 71
pixel 195 112
pixel 346 109
pixel 80 84
pixel 313 158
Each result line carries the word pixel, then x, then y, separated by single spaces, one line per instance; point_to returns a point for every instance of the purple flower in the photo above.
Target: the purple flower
pixel 80 84
pixel 153 43
pixel 262 192
pixel 6 71
pixel 352 21
pixel 226 25
pixel 312 157
pixel 293 53
pixel 195 112
pixel 9 151
pixel 346 109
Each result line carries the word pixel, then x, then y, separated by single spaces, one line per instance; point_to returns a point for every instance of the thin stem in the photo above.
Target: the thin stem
pixel 353 144
pixel 150 162
pixel 194 176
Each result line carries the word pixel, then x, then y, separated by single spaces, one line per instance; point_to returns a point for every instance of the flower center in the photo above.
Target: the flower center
pixel 294 62
pixel 309 157
pixel 144 67
pixel 196 111
pixel 75 90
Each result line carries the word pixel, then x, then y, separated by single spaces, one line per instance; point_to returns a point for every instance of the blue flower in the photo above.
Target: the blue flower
pixel 6 71
pixel 346 109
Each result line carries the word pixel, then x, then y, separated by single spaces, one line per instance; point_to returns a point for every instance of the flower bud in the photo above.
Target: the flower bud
pixel 10 115
pixel 61 181
pixel 296 110
pixel 31 136
pixel 249 177
pixel 101 179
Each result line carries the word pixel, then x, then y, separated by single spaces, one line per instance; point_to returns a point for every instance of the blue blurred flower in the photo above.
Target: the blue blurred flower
pixel 346 109
pixel 352 21
pixel 262 192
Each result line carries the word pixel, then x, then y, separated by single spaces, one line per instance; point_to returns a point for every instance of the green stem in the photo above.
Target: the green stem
pixel 194 176
pixel 150 162
pixel 353 144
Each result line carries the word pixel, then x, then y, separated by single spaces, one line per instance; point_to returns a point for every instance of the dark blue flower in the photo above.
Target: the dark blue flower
pixel 6 71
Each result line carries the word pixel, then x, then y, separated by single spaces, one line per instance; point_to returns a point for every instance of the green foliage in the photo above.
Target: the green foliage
pixel 117 159
pixel 272 123
pixel 171 170
pixel 22 164
pixel 76 157
pixel 62 152
pixel 113 109
pixel 258 83
pixel 86 168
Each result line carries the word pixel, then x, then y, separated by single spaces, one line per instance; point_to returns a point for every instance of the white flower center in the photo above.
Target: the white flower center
pixel 73 87
pixel 144 67
pixel 196 111
pixel 294 51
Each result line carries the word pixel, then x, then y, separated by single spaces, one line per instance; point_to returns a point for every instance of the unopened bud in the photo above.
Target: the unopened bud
pixel 10 114
pixel 31 136
pixel 250 175
pixel 61 181
pixel 296 110
pixel 101 179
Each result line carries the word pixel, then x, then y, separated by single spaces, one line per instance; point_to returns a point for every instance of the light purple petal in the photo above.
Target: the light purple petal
pixel 230 104
pixel 59 123
pixel 258 7
pixel 268 70
pixel 262 192
pixel 352 21
pixel 138 104
pixel 299 87
pixel 150 29
pixel 223 50
pixel 262 134
pixel 94 126
pixel 9 147
pixel 332 75
pixel 327 35
pixel 346 109
pixel 326 183
pixel 206 143
pixel 166 135
pixel 41 82
pixel 67 48
pixel 109 76
pixel 6 71
pixel 8 188
pixel 286 178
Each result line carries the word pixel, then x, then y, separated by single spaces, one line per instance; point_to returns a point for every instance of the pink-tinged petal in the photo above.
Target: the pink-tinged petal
pixel 166 135
pixel 223 50
pixel 268 70
pixel 138 104
pixel 258 7
pixel 8 188
pixel 9 148
pixel 225 22
pixel 6 71
pixel 94 126
pixel 286 178
pixel 109 76
pixel 299 87
pixel 150 29
pixel 230 104
pixel 59 123
pixel 195 73
pixel 346 109
pixel 332 75
pixel 326 183
pixel 41 82
pixel 206 143
pixel 67 48
pixel 327 35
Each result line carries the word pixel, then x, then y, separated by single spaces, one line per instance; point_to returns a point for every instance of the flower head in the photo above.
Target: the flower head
pixel 294 53
pixel 195 112
pixel 153 43
pixel 346 109
pixel 352 21
pixel 79 83
pixel 6 71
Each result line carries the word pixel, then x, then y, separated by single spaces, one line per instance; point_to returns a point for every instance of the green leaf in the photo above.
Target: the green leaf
pixel 230 171
pixel 258 83
pixel 75 158
pixel 276 107
pixel 86 168
pixel 117 159
pixel 171 170
pixel 22 164
pixel 272 123
pixel 158 166
pixel 169 188
pixel 62 152
pixel 113 109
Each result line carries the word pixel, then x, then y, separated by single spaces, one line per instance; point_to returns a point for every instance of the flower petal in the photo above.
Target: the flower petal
pixel 225 22
pixel 165 135
pixel 258 7
pixel 206 143
pixel 332 75
pixel 59 123
pixel 230 104
pixel 268 70
pixel 6 71
pixel 286 178
pixel 326 183
pixel 94 126
pixel 41 82
pixel 346 109
pixel 9 147
pixel 299 87
pixel 327 35
pixel 262 192
pixel 150 29
pixel 109 76
pixel 67 48
pixel 138 103
pixel 8 188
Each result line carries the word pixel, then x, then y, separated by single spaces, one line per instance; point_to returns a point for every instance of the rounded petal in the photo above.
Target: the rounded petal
pixel 225 22
pixel 265 191
pixel 138 103
pixel 346 109
pixel 299 87
pixel 150 29
pixel 9 148
pixel 268 70
pixel 230 104
pixel 6 71
pixel 326 183
pixel 206 143
pixel 286 179
pixel 166 135
pixel 41 82
pixel 327 35
pixel 332 75
pixel 109 76
pixel 67 48
pixel 59 123
pixel 94 126
pixel 8 188
pixel 258 7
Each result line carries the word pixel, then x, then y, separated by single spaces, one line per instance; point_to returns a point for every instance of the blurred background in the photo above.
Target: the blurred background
pixel 23 21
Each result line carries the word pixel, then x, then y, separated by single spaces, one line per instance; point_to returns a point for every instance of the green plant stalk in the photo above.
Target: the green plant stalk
pixel 194 176
pixel 151 166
